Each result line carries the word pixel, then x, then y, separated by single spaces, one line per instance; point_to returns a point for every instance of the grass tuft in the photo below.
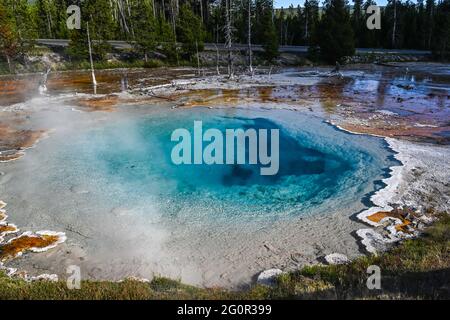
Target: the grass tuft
pixel 415 269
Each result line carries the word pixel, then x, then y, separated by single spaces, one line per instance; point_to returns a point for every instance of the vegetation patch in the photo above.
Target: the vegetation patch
pixel 415 269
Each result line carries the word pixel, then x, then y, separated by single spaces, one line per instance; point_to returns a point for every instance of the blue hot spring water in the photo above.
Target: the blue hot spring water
pixel 127 163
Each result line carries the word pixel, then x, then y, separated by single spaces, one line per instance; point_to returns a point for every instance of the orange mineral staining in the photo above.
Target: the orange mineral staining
pixel 402 227
pixel 106 103
pixel 3 215
pixel 397 129
pixel 378 216
pixel 27 241
pixel 7 228
pixel 12 140
pixel 398 214
pixel 41 241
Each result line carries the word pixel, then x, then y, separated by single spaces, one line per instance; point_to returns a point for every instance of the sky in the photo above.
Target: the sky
pixel 287 3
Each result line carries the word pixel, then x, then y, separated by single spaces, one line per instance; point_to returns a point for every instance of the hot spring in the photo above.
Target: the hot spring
pixel 109 182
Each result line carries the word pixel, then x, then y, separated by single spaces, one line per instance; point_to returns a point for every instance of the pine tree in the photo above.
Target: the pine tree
pixel 78 45
pixel 144 26
pixel 429 22
pixel 421 30
pixel 335 36
pixel 311 20
pixel 392 19
pixel 298 27
pixel 101 25
pixel 18 30
pixel 441 31
pixel 9 41
pixel 369 38
pixel 410 34
pixel 60 28
pixel 358 22
pixel 280 25
pixel 189 31
pixel 46 14
pixel 167 40
pixel 269 33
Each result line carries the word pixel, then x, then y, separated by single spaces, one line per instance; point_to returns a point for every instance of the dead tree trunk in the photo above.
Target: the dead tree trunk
pixel 249 37
pixel 123 19
pixel 163 9
pixel 306 26
pixel 430 28
pixel 228 35
pixel 174 28
pixel 394 29
pixel 198 57
pixel 173 15
pixel 201 10
pixel 129 15
pixel 49 24
pixel 8 59
pixel 94 81
pixel 217 60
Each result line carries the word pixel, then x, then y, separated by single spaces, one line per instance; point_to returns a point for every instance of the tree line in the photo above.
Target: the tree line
pixel 177 29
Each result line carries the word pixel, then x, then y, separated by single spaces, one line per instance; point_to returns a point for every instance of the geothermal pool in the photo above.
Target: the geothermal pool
pixel 108 181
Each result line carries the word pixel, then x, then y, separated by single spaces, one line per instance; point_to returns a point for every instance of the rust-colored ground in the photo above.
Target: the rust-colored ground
pixel 7 228
pixel 107 103
pixel 400 214
pixel 14 139
pixel 24 243
pixel 378 216
pixel 363 104
pixel 400 130
pixel 17 89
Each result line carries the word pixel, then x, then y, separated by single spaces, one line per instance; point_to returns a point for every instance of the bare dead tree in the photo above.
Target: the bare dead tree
pixel 49 22
pixel 174 26
pixel 94 81
pixel 129 15
pixel 198 57
pixel 217 60
pixel 201 9
pixel 394 29
pixel 122 14
pixel 281 31
pixel 163 9
pixel 306 24
pixel 249 37
pixel 430 28
pixel 228 37
pixel 173 16
pixel 113 10
pixel 10 66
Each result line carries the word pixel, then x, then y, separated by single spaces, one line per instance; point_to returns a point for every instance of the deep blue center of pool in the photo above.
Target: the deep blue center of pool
pixel 129 163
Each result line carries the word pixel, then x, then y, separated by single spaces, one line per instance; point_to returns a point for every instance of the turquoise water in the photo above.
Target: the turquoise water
pixel 127 163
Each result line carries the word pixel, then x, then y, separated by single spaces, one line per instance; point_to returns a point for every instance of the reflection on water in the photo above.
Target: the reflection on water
pixel 19 88
pixel 412 93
